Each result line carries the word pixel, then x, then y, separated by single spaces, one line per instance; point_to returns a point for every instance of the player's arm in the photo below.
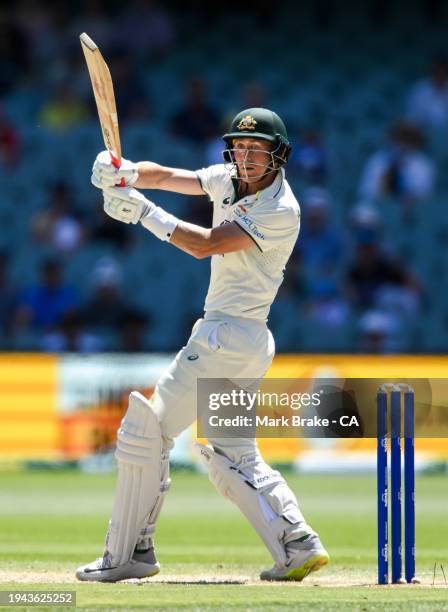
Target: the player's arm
pixel 201 242
pixel 130 206
pixel 154 176
pixel 145 175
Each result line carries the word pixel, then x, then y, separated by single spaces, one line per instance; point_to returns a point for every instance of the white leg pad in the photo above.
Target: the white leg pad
pixel 138 454
pixel 147 533
pixel 261 494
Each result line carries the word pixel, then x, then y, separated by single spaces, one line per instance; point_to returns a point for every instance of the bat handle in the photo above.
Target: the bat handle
pixel 117 163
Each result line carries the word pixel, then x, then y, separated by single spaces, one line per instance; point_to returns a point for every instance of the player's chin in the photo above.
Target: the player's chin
pixel 252 176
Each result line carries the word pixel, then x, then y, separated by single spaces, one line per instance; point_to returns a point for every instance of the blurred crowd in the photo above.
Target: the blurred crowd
pixel 351 284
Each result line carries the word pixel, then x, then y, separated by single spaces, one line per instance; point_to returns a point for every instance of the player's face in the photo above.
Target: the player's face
pixel 252 157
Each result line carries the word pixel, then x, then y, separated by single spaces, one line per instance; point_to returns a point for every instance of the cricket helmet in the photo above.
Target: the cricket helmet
pixel 259 123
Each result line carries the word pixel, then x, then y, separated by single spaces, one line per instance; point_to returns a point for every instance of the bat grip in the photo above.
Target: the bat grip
pixel 117 163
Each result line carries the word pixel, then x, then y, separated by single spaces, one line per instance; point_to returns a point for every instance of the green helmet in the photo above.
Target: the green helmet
pixel 260 123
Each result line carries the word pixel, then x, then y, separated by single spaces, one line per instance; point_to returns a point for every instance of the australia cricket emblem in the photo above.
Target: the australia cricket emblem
pixel 247 123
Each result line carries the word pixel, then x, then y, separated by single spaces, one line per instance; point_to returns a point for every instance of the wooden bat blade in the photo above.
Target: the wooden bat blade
pixel 88 42
pixel 103 91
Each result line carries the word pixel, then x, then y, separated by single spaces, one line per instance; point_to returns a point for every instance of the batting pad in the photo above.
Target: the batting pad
pixel 261 494
pixel 138 454
pixel 146 535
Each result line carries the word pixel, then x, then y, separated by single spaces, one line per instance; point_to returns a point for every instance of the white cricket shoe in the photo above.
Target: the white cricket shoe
pixel 142 565
pixel 303 558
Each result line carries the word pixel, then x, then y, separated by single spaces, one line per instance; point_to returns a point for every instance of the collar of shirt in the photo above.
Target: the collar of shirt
pixel 265 194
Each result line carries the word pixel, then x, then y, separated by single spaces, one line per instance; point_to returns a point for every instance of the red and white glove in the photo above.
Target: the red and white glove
pixel 105 174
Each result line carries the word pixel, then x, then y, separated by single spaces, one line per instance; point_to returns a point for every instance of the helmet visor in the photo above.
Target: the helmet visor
pixel 251 165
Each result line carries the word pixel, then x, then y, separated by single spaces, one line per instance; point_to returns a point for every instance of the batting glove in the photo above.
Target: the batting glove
pixel 105 174
pixel 126 204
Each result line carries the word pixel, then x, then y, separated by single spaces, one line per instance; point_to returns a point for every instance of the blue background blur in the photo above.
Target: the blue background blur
pixel 363 89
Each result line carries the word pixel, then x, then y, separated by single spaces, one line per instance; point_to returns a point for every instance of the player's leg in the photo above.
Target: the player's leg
pixel 142 483
pixel 240 474
pixel 213 351
pixel 144 441
pixel 142 486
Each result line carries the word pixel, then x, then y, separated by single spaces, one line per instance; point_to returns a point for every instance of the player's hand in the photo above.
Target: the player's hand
pixel 126 204
pixel 105 175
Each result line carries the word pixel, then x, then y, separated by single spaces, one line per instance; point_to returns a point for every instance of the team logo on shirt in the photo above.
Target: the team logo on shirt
pixel 225 202
pixel 247 123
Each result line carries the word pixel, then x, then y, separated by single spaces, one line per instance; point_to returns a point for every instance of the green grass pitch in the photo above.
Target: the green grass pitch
pixel 51 522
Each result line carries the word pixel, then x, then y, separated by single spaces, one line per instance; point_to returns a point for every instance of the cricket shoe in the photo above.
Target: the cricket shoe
pixel 303 557
pixel 142 565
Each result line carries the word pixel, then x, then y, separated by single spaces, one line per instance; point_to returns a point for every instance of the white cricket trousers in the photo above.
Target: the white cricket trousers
pixel 220 346
pixel 227 347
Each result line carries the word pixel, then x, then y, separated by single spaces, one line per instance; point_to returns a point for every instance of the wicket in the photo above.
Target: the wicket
pixel 396 392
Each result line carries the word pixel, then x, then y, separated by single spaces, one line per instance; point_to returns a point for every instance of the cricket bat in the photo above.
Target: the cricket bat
pixel 103 90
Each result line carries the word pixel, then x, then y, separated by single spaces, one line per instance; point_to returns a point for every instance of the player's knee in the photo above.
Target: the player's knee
pixel 235 450
pixel 138 437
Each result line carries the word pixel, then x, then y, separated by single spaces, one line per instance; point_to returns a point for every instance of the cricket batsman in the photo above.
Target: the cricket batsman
pixel 256 221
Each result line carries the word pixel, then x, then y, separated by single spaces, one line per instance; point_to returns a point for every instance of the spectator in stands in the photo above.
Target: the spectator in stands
pixel 9 144
pixel 372 270
pixel 64 111
pixel 8 299
pixel 319 245
pixel 39 21
pixel 427 104
pixel 365 216
pixel 107 311
pixel 400 301
pixel 70 336
pixel 401 170
pixel 326 306
pixel 59 225
pixel 309 158
pixel 42 306
pixel 379 333
pixel 133 329
pixel 365 223
pixel 196 121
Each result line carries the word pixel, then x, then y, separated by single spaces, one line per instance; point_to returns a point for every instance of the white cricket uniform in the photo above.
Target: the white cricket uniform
pixel 232 340
pixel 245 283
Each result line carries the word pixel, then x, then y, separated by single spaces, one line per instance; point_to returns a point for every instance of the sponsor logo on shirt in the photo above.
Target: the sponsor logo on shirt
pixel 249 224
